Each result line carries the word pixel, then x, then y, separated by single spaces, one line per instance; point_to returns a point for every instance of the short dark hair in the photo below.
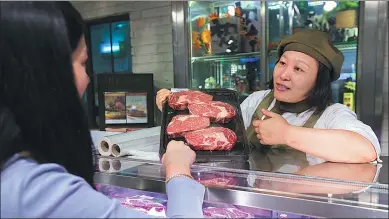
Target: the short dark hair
pixel 37 87
pixel 321 94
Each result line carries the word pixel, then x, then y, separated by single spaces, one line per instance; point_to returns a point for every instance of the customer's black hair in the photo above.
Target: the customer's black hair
pixel 40 109
pixel 75 25
pixel 321 94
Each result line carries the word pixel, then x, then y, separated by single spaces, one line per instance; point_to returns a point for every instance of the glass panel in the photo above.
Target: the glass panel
pixel 84 99
pixel 101 52
pixel 121 46
pixel 338 18
pixel 101 48
pixel 225 45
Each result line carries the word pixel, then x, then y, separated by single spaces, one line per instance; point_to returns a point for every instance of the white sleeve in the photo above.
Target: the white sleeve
pixel 338 116
pixel 250 105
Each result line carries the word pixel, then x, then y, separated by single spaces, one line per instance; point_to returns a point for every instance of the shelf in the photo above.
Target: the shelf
pixel 224 57
pixel 341 47
pixel 344 47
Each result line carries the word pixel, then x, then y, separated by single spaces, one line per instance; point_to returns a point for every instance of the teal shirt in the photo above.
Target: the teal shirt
pixel 33 190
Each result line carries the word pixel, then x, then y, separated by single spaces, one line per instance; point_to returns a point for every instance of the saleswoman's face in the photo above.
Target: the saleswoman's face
pixel 79 58
pixel 294 76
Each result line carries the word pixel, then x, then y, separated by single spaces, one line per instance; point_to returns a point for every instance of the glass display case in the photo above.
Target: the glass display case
pixel 309 194
pixel 226 49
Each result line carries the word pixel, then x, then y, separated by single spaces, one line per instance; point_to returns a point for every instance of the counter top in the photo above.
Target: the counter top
pixel 285 162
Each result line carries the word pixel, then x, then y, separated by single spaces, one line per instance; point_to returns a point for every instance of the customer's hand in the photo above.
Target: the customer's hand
pixel 161 97
pixel 178 158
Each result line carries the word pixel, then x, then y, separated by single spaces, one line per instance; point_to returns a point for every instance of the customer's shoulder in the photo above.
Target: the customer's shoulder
pixel 23 178
pixel 19 171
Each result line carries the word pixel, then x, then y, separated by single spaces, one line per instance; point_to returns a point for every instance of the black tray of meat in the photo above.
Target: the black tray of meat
pixel 209 121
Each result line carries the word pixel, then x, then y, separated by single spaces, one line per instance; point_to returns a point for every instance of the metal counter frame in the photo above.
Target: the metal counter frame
pixel 272 200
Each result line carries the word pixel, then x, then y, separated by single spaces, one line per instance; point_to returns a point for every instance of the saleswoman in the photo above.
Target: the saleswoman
pixel 300 91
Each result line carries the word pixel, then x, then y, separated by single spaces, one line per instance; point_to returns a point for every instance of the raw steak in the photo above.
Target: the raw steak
pixel 180 100
pixel 146 205
pixel 222 181
pixel 185 123
pixel 216 111
pixel 212 212
pixel 213 138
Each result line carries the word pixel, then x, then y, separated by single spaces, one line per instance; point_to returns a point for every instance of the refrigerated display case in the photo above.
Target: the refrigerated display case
pixel 225 49
pixel 155 204
pixel 239 193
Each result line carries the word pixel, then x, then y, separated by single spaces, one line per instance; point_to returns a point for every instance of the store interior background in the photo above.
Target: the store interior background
pixel 149 32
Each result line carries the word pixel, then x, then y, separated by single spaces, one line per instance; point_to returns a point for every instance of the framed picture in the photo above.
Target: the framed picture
pixel 115 107
pixel 128 101
pixel 136 107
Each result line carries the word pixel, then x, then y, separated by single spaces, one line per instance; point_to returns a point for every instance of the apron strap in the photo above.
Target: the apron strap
pixel 311 122
pixel 265 103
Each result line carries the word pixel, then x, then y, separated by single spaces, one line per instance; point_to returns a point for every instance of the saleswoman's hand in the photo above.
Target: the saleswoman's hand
pixel 161 97
pixel 178 158
pixel 271 131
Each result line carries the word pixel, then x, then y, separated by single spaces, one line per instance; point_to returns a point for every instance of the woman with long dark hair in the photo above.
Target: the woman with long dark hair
pixel 46 149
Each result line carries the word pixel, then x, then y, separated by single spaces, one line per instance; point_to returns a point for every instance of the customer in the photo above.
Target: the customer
pixel 46 149
pixel 301 117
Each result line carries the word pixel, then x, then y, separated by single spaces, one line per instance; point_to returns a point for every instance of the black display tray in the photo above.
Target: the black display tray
pixel 239 152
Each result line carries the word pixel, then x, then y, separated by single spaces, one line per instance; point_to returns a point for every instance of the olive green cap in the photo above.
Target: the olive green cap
pixel 316 44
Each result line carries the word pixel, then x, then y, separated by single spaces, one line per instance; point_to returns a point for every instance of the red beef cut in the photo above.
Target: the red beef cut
pixel 212 212
pixel 180 100
pixel 216 111
pixel 185 123
pixel 213 139
pixel 221 181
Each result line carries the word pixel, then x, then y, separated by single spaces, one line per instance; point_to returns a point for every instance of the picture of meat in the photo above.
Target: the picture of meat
pixel 136 104
pixel 115 109
pixel 180 100
pixel 216 111
pixel 181 124
pixel 213 138
pixel 212 212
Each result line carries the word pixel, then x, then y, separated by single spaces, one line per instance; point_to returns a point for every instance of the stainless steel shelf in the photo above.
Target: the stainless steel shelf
pixel 224 57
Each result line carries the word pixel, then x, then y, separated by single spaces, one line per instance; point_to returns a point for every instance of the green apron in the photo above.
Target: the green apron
pixel 279 109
